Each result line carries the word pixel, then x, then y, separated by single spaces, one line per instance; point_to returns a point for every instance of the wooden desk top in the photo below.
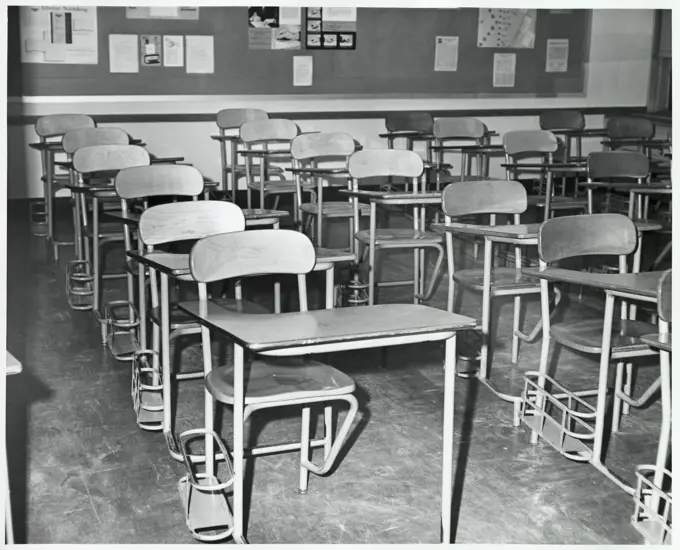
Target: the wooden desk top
pixel 12 364
pixel 268 332
pixel 251 214
pixel 392 197
pixel 519 232
pixel 663 342
pixel 410 134
pixel 640 284
pixel 654 188
pixel 550 167
pixel 585 132
pixel 490 148
pixel 321 171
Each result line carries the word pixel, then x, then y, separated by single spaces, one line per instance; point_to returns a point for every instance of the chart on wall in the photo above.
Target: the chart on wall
pixel 331 29
pixel 59 34
pixel 272 28
pixel 162 12
pixel 506 28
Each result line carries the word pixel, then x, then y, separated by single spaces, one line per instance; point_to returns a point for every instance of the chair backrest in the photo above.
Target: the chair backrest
pixel 617 164
pixel 186 221
pixel 87 137
pixel 529 141
pixel 484 197
pixel 229 119
pixel 58 125
pixel 629 127
pixel 665 296
pixel 459 127
pixel 385 162
pixel 100 158
pixel 331 144
pixel 566 119
pixel 159 180
pixel 586 235
pixel 279 129
pixel 248 253
pixel 409 121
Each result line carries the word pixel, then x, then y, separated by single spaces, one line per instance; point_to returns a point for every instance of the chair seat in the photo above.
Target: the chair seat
pixel 179 317
pixel 400 237
pixel 648 225
pixel 276 380
pixel 277 186
pixel 503 280
pixel 254 169
pixel 335 209
pixel 586 334
pixel 558 203
pixel 326 256
pixel 107 230
pixel 661 342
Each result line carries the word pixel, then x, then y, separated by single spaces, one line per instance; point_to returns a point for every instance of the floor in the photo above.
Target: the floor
pixel 83 472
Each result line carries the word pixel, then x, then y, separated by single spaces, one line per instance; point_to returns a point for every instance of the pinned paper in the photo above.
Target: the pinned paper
pixel 557 56
pixel 123 53
pixel 200 54
pixel 55 53
pixel 504 70
pixel 286 38
pixel 158 11
pixel 339 14
pixel 173 51
pixel 303 69
pixel 506 28
pixel 150 45
pixel 446 53
pixel 290 16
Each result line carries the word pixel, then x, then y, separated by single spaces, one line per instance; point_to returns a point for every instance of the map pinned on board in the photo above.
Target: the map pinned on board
pixel 506 28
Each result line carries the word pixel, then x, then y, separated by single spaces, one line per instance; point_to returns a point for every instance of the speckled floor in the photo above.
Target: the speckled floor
pixel 83 472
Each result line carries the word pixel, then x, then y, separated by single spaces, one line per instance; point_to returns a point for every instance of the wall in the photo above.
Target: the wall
pixel 617 76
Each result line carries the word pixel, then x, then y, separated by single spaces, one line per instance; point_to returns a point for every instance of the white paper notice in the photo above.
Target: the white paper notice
pixel 446 53
pixel 504 70
pixel 200 55
pixel 557 57
pixel 290 16
pixel 173 51
pixel 303 70
pixel 339 14
pixel 159 11
pixel 123 53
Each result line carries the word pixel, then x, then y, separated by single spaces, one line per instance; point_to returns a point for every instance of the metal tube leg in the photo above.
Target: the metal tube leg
pixel 304 451
pixel 616 413
pixel 452 283
pixel 486 309
pixel 95 253
pixel 665 435
pixel 328 431
pixel 515 328
pixel 628 387
pixel 165 354
pixel 602 386
pixel 416 275
pixel 330 288
pixel 371 257
pixel 447 453
pixel 239 527
pixel 545 347
pixel 208 404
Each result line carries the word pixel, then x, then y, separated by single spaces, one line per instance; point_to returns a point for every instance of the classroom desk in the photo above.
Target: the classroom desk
pixel 626 286
pixel 12 366
pixel 518 235
pixel 578 134
pixel 323 331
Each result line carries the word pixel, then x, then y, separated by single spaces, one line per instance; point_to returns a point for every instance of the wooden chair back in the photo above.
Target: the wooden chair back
pixel 230 119
pixel 521 142
pixel 185 221
pixel 88 137
pixel 101 158
pixel 484 197
pixel 385 162
pixel 566 119
pixel 665 296
pixel 249 253
pixel 617 164
pixel 159 180
pixel 260 131
pixel 620 127
pixel 58 125
pixel 409 121
pixel 459 127
pixel 586 235
pixel 331 144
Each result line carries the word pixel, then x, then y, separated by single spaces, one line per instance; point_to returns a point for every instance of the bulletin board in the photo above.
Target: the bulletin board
pixel 394 55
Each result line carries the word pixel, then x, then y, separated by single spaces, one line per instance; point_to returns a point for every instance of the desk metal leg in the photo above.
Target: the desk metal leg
pixel 239 397
pixel 666 415
pixel 447 452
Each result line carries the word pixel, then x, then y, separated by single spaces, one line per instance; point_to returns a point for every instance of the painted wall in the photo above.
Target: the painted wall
pixel 617 76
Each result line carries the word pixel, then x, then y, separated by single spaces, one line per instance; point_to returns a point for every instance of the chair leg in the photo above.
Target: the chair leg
pixel 515 329
pixel 616 414
pixel 545 348
pixel 328 433
pixel 628 387
pixel 304 451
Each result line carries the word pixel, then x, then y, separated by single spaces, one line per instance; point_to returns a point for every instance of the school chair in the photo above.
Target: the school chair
pixel 587 331
pixel 258 137
pixel 228 122
pixel 308 151
pixel 272 382
pixel 406 165
pixel 50 129
pixel 522 144
pixel 79 289
pixel 97 159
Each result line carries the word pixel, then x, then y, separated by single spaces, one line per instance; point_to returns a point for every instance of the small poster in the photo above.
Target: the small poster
pixel 303 70
pixel 200 54
pixel 272 28
pixel 173 51
pixel 557 56
pixel 504 70
pixel 150 50
pixel 331 28
pixel 446 53
pixel 123 53
pixel 506 28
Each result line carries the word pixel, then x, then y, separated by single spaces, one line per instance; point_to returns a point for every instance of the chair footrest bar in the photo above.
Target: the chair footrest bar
pixel 79 285
pixel 147 395
pixel 38 217
pixel 653 515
